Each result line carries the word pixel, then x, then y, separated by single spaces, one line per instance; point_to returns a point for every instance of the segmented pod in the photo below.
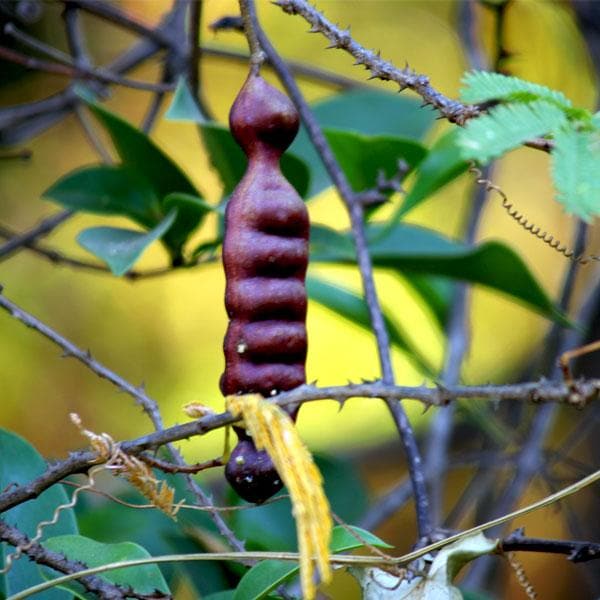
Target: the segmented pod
pixel 265 255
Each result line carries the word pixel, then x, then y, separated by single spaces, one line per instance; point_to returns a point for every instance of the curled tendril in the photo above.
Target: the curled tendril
pixel 526 224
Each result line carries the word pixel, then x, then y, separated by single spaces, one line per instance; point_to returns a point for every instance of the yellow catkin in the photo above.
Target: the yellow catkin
pixel 272 430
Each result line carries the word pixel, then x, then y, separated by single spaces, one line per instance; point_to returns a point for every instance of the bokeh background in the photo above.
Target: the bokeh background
pixel 167 332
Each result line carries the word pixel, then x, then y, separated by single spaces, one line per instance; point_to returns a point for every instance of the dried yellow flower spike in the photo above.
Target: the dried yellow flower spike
pixel 273 430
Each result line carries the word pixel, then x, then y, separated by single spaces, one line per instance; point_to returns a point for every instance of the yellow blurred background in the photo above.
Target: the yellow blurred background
pixel 167 332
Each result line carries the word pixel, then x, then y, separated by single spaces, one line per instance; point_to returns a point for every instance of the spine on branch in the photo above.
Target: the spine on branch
pixel 265 256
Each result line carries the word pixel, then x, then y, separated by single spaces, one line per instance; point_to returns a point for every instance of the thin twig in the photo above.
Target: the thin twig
pixel 29 237
pixel 73 72
pixel 35 551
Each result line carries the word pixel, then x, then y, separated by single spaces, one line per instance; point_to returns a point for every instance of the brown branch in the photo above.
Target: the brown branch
pixel 92 583
pixel 406 78
pixel 168 467
pixel 78 72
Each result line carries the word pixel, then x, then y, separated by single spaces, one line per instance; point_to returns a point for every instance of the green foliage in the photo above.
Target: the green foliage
pixel 508 126
pixel 532 110
pixel 19 464
pixel 411 249
pixel 120 248
pixel 108 190
pixel 363 158
pixel 143 579
pixel 268 574
pixel 483 86
pixel 184 107
pixel 576 171
pixel 442 165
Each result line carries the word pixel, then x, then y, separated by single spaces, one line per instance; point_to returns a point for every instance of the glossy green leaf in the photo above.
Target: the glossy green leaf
pixel 141 154
pixel 190 212
pixel 230 162
pixel 108 190
pixel 353 307
pixel 121 248
pixel 507 126
pixel 576 171
pixel 144 579
pixel 20 463
pixel 268 574
pixel 442 165
pixel 224 595
pixel 408 248
pixel 388 114
pixel 183 106
pixel 363 158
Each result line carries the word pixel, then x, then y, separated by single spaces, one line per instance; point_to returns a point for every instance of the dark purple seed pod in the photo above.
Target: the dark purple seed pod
pixel 265 256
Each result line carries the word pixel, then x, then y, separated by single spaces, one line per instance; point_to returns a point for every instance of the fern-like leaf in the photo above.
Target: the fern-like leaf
pixel 482 86
pixel 576 171
pixel 506 127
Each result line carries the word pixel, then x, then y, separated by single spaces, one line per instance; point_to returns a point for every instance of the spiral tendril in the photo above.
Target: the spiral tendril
pixel 525 223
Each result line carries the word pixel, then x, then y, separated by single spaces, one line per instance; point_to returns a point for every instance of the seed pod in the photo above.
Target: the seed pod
pixel 265 255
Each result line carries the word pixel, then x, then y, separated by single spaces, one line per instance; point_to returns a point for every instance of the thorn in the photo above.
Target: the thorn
pixel 332 46
pixel 313 29
pixel 401 88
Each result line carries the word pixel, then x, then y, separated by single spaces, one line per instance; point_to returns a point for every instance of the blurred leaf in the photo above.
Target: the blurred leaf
pixel 183 106
pixel 442 165
pixel 141 154
pixel 230 161
pixel 224 595
pixel 483 86
pixel 389 114
pixel 408 248
pixel 19 464
pixel 190 212
pixel 144 579
pixel 576 171
pixel 436 292
pixel 363 157
pixel 596 119
pixel 506 127
pixel 268 574
pixel 108 190
pixel 351 306
pixel 120 248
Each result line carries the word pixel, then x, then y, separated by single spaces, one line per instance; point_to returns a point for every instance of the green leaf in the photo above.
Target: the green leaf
pixel 120 248
pixel 20 463
pixel 224 595
pixel 342 540
pixel 191 210
pixel 388 114
pixel 483 86
pixel 144 579
pixel 436 292
pixel 408 248
pixel 442 165
pixel 183 106
pixel 230 161
pixel 353 307
pixel 576 171
pixel 108 190
pixel 141 154
pixel 506 127
pixel 268 574
pixel 363 158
